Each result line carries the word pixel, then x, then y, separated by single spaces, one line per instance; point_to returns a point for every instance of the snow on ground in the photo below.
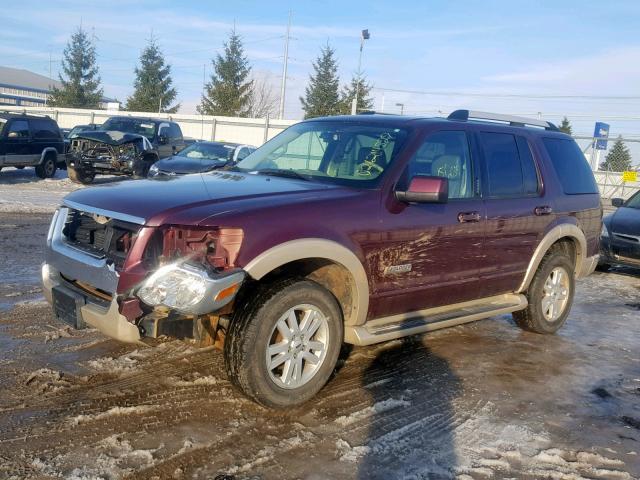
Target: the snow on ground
pixel 22 191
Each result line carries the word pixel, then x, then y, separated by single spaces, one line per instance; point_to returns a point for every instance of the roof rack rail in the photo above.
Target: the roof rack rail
pixel 24 112
pixel 464 115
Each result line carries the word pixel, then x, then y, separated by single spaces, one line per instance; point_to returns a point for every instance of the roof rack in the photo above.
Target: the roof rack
pixel 464 115
pixel 25 113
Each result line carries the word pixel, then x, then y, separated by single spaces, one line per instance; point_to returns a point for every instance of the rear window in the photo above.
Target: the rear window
pixel 572 168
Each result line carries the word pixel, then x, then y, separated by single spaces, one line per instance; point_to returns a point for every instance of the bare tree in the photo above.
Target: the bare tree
pixel 263 101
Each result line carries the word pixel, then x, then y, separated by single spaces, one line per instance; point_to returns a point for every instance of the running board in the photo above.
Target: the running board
pixel 403 325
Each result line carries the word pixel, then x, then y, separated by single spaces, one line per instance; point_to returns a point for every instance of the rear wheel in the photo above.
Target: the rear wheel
pixel 47 169
pixel 550 295
pixel 282 347
pixel 80 176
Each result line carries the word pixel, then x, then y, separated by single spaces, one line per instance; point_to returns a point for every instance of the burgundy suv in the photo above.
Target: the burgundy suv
pixel 356 229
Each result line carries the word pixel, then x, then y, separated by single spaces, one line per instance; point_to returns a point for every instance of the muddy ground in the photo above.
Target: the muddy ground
pixel 479 401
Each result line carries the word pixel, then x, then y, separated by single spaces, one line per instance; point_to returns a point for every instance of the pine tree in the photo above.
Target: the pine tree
pixel 365 102
pixel 153 86
pixel 321 95
pixel 565 126
pixel 229 91
pixel 618 159
pixel 81 81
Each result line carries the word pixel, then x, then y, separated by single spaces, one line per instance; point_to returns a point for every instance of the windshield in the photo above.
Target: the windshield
pixel 77 129
pixel 208 151
pixel 633 202
pixel 339 152
pixel 130 125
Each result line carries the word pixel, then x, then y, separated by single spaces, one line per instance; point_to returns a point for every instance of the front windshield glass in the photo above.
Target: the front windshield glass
pixel 633 202
pixel 77 129
pixel 208 151
pixel 130 125
pixel 339 152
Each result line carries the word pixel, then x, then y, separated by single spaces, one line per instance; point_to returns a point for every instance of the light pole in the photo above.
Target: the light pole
pixel 283 83
pixel 354 104
pixel 401 105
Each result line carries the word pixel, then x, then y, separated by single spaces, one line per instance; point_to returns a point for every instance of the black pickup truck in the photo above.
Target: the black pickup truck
pixel 122 146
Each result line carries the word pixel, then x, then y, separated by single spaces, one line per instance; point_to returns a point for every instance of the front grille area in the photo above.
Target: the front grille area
pixel 100 236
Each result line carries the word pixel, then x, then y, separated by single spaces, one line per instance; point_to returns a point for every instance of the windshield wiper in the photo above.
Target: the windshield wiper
pixel 281 172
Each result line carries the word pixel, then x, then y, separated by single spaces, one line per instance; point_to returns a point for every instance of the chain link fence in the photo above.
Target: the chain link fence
pixel 616 168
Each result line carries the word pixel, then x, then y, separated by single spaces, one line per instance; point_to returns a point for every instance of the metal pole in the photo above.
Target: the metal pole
pixel 283 83
pixel 354 104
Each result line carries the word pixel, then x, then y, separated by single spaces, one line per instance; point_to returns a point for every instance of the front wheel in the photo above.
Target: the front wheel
pixel 550 295
pixel 283 345
pixel 80 176
pixel 47 169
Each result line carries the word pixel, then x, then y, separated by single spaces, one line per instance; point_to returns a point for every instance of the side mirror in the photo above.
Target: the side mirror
pixel 425 189
pixel 162 139
pixel 617 202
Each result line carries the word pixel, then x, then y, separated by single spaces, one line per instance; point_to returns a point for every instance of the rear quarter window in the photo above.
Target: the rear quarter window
pixel 572 168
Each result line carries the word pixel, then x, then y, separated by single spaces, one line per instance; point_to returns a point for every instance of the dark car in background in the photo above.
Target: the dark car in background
pixel 620 238
pixel 201 157
pixel 31 141
pixel 122 146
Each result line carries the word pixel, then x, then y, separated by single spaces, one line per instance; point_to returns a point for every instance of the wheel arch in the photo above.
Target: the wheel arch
pixel 48 151
pixel 327 262
pixel 566 232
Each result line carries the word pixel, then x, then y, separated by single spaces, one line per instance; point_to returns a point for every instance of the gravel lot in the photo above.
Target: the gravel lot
pixel 479 401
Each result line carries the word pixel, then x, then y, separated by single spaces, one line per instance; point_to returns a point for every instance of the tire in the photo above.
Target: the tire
pixel 536 317
pixel 603 267
pixel 47 169
pixel 261 323
pixel 80 176
pixel 143 170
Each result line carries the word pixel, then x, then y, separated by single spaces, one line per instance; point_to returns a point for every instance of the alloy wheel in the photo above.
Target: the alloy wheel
pixel 297 346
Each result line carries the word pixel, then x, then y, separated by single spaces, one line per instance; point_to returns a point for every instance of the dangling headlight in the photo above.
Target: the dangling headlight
pixel 174 286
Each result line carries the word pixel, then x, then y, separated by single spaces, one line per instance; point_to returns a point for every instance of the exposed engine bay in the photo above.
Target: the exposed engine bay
pixel 110 152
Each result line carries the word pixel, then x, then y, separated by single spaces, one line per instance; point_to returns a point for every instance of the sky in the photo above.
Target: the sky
pixel 518 57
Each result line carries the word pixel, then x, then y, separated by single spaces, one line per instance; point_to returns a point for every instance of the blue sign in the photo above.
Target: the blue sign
pixel 601 131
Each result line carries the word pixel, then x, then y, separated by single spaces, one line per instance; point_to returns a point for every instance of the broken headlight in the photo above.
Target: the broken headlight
pixel 176 286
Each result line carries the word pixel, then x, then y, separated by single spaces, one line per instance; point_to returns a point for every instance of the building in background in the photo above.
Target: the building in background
pixel 20 87
pixel 24 88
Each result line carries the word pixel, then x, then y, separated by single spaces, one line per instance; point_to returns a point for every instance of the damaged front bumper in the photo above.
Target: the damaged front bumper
pixel 82 288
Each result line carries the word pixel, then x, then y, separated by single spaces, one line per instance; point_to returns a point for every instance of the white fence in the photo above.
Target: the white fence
pixel 251 131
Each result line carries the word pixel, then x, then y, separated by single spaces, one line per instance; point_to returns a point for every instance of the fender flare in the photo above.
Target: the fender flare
pixel 565 230
pixel 45 152
pixel 310 248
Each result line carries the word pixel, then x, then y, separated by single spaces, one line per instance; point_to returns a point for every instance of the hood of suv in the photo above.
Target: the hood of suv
pixel 110 137
pixel 175 199
pixel 626 221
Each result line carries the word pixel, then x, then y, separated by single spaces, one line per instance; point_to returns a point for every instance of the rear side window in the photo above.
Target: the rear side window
pixel 572 168
pixel 174 131
pixel 44 130
pixel 511 170
pixel 18 129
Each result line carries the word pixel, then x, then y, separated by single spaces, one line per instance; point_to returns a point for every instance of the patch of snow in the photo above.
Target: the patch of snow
pixel 376 408
pixel 112 412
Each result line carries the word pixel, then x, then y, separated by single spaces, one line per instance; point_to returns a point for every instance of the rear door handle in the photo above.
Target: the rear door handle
pixel 544 210
pixel 465 217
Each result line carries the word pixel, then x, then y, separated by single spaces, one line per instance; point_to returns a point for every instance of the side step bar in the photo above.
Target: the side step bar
pixel 403 325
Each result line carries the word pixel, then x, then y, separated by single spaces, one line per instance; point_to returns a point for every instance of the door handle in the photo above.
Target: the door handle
pixel 544 210
pixel 465 217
